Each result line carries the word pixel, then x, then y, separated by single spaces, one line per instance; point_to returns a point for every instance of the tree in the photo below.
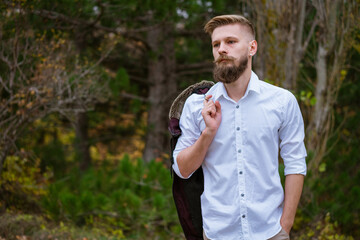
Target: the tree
pixel 336 26
pixel 289 32
pixel 149 32
pixel 40 76
pixel 284 30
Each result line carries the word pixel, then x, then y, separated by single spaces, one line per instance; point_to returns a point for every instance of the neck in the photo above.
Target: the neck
pixel 236 90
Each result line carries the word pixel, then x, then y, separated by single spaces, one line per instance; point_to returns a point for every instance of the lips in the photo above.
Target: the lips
pixel 224 59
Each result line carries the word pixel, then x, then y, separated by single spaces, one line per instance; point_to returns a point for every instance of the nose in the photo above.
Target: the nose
pixel 222 49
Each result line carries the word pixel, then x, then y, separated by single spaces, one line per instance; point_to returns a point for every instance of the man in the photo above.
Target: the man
pixel 235 134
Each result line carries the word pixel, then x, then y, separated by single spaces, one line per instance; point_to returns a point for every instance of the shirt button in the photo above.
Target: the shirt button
pixel 237 106
pixel 239 151
pixel 242 194
pixel 238 128
pixel 243 216
pixel 240 172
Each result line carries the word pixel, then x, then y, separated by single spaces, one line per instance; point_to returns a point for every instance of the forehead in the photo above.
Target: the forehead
pixel 235 30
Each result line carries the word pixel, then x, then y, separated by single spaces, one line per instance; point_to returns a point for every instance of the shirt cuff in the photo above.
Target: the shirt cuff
pixel 176 168
pixel 295 166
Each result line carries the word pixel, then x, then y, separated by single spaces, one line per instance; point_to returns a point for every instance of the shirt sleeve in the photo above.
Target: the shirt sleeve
pixel 190 130
pixel 291 132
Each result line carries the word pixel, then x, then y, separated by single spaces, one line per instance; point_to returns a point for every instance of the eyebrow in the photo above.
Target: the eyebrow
pixel 226 38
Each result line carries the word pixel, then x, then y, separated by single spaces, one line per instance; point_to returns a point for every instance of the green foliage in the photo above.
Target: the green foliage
pixel 336 189
pixel 15 226
pixel 323 229
pixel 307 98
pixel 22 183
pixel 52 155
pixel 282 173
pixel 132 197
pixel 51 140
pixel 120 82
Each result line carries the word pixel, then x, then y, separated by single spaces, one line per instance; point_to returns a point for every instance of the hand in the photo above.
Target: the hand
pixel 211 114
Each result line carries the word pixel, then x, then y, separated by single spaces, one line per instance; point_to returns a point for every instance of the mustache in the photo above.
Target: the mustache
pixel 224 57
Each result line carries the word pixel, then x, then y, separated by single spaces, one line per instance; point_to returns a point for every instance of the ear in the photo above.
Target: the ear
pixel 252 47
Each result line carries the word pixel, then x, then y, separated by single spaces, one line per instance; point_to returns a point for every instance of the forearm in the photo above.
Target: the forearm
pixel 191 158
pixel 293 188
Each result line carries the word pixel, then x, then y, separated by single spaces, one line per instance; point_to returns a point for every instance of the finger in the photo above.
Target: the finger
pixel 210 104
pixel 212 111
pixel 218 107
pixel 211 108
pixel 206 98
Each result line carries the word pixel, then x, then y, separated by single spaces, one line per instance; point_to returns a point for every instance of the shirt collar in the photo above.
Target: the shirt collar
pixel 253 83
pixel 252 86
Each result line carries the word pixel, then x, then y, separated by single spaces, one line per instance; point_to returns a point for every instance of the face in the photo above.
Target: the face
pixel 232 50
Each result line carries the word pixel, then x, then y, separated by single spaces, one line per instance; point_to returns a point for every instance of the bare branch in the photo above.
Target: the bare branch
pixel 131 96
pixel 196 71
pixel 80 22
pixel 181 67
pixel 4 85
pixel 43 84
pixel 310 35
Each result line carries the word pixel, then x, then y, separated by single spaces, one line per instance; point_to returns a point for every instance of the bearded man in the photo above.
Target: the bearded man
pixel 235 134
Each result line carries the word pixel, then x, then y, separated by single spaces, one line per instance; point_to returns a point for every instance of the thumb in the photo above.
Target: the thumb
pixel 218 107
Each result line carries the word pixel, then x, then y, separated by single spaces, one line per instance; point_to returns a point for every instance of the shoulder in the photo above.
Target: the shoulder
pixel 277 95
pixel 275 90
pixel 178 104
pixel 272 89
pixel 194 102
pixel 215 88
pixel 197 100
pixel 191 112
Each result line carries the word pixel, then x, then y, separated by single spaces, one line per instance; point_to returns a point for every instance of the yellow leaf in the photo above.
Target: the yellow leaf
pixel 322 167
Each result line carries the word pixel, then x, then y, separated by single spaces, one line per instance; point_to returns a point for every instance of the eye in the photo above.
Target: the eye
pixel 231 42
pixel 215 45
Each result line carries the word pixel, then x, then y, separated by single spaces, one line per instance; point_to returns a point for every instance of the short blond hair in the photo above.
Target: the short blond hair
pixel 226 20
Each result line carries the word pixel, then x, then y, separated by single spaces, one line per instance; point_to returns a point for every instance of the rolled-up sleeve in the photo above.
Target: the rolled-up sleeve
pixel 190 131
pixel 292 147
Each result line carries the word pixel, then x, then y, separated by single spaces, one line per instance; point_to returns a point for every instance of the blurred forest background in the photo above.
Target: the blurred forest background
pixel 85 90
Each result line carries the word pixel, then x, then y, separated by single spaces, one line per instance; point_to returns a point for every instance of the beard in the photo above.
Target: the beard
pixel 229 74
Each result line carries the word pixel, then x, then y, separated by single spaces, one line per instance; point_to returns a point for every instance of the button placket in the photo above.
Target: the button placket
pixel 241 175
pixel 240 166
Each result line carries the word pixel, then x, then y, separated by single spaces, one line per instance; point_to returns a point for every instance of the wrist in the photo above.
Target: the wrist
pixel 209 132
pixel 286 224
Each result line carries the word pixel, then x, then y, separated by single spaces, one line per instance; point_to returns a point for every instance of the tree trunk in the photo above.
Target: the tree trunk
pixel 161 77
pixel 318 125
pixel 327 87
pixel 294 48
pixel 321 108
pixel 262 35
pixel 3 155
pixel 81 128
pixel 280 30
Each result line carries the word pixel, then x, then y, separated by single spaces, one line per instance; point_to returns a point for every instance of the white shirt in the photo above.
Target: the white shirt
pixel 243 196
